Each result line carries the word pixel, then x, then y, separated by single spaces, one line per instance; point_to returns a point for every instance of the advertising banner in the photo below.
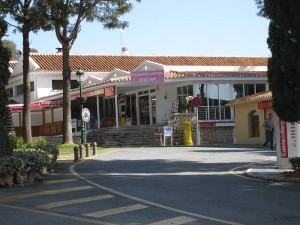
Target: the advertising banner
pixel 147 77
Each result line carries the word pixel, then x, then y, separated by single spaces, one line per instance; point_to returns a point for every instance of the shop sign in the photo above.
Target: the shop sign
pixel 207 124
pixel 265 105
pixel 36 105
pixel 110 91
pixel 89 94
pixel 283 139
pixel 147 77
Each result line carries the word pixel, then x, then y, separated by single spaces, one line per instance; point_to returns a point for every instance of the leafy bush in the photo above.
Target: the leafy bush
pixel 16 142
pixel 295 162
pixel 27 157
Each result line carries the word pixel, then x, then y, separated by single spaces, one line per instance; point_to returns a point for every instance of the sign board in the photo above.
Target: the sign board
pixel 74 123
pixel 265 105
pixel 88 94
pixel 196 102
pixel 175 105
pixel 168 132
pixel 283 139
pixel 147 77
pixel 86 115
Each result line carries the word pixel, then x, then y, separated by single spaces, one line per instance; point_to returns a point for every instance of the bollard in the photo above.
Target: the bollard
pixel 94 148
pixel 75 154
pixel 80 151
pixel 87 148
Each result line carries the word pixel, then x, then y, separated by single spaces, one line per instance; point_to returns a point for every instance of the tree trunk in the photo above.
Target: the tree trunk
pixel 67 125
pixel 26 86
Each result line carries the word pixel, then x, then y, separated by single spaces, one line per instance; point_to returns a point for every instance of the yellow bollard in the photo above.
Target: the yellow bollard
pixel 123 121
pixel 187 133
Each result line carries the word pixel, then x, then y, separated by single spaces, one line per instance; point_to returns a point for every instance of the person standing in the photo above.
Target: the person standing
pixel 269 127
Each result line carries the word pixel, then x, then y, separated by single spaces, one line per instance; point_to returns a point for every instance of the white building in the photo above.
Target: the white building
pixel 141 89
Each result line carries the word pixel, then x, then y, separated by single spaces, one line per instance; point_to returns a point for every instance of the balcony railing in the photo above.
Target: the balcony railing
pixel 214 113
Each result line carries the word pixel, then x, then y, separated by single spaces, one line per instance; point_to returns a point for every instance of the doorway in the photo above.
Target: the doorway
pixel 147 109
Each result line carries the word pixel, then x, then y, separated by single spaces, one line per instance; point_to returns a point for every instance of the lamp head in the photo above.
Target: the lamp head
pixel 79 74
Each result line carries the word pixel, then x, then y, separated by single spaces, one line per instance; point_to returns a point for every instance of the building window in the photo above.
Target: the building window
pixel 19 89
pixel 183 92
pixel 254 124
pixel 9 92
pixel 242 90
pixel 214 98
pixel 31 86
pixel 58 84
pixel 260 88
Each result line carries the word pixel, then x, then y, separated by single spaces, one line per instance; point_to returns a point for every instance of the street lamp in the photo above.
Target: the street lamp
pixel 81 100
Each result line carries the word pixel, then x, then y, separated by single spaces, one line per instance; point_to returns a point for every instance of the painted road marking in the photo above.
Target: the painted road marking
pixel 114 211
pixel 74 201
pixel 44 193
pixel 74 218
pixel 60 181
pixel 115 192
pixel 175 221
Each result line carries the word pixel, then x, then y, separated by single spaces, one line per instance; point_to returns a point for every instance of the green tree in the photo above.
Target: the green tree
pixel 12 47
pixel 33 50
pixel 68 16
pixel 5 147
pixel 28 14
pixel 284 64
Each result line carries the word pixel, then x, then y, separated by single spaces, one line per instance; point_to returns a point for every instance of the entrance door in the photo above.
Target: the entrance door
pixel 144 111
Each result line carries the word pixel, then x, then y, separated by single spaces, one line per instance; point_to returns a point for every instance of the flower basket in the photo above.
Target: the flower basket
pixel 81 100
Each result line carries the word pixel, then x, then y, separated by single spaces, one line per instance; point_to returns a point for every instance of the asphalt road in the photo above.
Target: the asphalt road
pixel 180 185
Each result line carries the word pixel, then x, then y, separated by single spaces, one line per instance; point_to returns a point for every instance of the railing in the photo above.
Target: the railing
pixel 214 113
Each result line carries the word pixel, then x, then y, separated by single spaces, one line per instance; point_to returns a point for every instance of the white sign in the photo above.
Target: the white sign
pixel 168 132
pixel 86 115
pixel 74 123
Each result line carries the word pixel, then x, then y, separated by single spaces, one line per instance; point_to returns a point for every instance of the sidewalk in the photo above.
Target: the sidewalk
pixel 269 171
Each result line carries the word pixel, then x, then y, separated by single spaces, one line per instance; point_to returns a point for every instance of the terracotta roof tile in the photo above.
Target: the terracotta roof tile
pixel 129 62
pixel 186 74
pixel 13 64
pixel 263 96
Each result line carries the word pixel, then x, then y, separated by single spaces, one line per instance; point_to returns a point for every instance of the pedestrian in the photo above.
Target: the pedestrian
pixel 269 127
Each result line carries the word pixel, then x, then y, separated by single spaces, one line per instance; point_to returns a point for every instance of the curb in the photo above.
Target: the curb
pixel 270 175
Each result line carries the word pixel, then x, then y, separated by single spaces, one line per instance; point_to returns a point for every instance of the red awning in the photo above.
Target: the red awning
pixel 36 106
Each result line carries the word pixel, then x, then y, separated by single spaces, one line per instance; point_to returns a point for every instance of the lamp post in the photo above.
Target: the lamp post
pixel 81 100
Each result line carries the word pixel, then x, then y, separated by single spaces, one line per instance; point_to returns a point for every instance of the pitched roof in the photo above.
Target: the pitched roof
pixel 96 62
pixel 259 97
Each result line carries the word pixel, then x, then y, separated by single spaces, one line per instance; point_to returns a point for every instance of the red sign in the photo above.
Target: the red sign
pixel 37 105
pixel 284 151
pixel 196 102
pixel 89 94
pixel 147 77
pixel 109 91
pixel 265 105
pixel 207 124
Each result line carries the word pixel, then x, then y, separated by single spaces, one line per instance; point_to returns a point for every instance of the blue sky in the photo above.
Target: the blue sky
pixel 172 27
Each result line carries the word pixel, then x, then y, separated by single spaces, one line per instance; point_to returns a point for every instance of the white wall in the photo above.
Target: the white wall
pixel 44 84
pixel 165 105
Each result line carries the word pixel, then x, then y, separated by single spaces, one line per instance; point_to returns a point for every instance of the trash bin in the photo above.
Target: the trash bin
pixel 187 133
